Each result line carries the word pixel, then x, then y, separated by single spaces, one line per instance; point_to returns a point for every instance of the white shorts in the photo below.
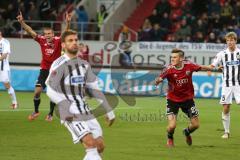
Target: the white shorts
pixel 4 76
pixel 79 129
pixel 228 93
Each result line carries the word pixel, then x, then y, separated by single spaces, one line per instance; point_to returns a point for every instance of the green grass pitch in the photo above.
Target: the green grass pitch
pixel 138 133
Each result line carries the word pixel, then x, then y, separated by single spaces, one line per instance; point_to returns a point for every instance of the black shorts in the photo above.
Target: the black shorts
pixel 42 78
pixel 188 107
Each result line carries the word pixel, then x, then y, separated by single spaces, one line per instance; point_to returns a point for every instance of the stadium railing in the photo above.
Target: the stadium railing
pixel 84 34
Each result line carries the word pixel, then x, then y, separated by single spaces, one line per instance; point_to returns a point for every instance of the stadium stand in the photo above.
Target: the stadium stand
pixel 155 20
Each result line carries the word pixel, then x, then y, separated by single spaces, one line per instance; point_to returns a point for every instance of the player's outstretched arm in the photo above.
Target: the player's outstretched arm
pixel 207 68
pixel 158 80
pixel 26 27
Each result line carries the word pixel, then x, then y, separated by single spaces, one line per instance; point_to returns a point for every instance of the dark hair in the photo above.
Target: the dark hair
pixel 47 28
pixel 67 33
pixel 179 51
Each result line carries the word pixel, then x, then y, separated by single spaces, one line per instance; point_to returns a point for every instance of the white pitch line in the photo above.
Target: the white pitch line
pixel 30 109
pixel 19 110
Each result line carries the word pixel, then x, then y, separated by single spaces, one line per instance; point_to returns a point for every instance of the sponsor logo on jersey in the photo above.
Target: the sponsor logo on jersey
pixel 77 80
pixel 233 63
pixel 180 82
pixel 49 51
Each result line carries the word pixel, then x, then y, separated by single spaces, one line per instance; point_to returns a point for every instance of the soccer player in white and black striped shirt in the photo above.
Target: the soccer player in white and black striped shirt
pixel 5 69
pixel 69 76
pixel 229 59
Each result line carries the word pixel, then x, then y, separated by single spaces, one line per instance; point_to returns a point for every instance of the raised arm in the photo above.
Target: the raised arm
pixel 68 17
pixel 26 27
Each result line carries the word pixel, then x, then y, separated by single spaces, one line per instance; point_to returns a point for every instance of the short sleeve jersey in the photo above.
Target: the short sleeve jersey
pixel 180 85
pixel 50 51
pixel 4 49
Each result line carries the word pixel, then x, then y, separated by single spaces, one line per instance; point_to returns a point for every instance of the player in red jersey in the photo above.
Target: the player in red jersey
pixel 180 94
pixel 51 50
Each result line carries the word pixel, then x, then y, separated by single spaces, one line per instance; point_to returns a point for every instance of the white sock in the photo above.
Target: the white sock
pixel 226 122
pixel 92 154
pixel 13 95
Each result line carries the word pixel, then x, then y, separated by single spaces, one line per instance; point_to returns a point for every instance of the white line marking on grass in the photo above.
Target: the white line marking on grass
pixel 30 109
pixel 19 110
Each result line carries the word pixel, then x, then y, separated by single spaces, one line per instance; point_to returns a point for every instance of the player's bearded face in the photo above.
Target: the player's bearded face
pixel 176 59
pixel 71 44
pixel 231 43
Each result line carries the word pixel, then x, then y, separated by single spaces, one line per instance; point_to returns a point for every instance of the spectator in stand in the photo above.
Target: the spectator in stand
pixel 158 34
pixel 163 6
pixel 183 32
pixel 214 23
pixel 237 31
pixel 154 17
pixel 2 22
pixel 32 13
pixel 212 38
pixel 199 6
pixel 82 18
pixel 44 9
pixel 52 15
pixel 171 38
pixel 101 15
pixel 125 35
pixel 198 37
pixel 214 7
pixel 10 12
pixel 199 27
pixel 165 22
pixel 146 32
pixel 222 33
pixel 236 9
pixel 83 51
pixel 92 27
pixel 226 13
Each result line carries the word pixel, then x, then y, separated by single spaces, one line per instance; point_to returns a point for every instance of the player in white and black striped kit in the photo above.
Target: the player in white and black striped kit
pixel 5 69
pixel 66 83
pixel 229 59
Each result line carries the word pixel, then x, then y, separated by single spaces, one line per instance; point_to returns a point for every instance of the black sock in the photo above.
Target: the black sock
pixel 52 105
pixel 188 131
pixel 37 102
pixel 170 135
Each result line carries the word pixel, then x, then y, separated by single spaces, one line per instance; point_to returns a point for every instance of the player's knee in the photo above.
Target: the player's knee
pixel 36 95
pixel 196 126
pixel 171 127
pixel 89 142
pixel 7 85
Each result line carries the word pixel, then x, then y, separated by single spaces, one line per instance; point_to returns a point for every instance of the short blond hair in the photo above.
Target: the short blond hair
pixel 231 35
